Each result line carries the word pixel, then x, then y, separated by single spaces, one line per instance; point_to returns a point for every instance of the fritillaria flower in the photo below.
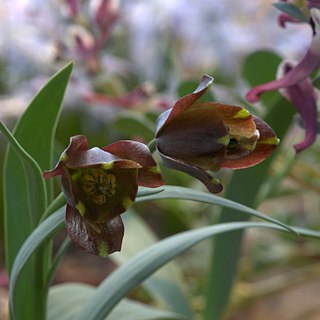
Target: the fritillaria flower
pixel 197 137
pixel 99 185
pixel 297 84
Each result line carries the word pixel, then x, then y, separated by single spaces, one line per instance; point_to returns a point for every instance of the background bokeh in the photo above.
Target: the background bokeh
pixel 123 79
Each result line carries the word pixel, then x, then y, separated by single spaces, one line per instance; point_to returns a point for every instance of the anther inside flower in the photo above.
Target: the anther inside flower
pixel 99 185
pixel 196 137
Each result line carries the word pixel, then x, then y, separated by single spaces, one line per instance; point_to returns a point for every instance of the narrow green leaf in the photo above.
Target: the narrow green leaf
pixel 142 265
pixel 25 198
pixel 291 10
pixel 33 174
pixel 174 192
pixel 42 233
pixel 132 272
pixel 66 300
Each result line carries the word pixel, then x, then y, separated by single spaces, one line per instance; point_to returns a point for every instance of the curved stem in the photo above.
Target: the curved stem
pixel 152 145
pixel 58 202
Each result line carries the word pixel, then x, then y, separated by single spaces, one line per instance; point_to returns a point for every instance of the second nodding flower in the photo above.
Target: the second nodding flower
pixel 197 137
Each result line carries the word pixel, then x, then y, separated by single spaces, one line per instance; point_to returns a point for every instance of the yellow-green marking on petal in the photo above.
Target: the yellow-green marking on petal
pixel 126 202
pixel 64 157
pixel 107 165
pixel 224 140
pixel 154 169
pixel 81 208
pixel 241 114
pixel 215 180
pixel 76 175
pixel 103 249
pixel 270 140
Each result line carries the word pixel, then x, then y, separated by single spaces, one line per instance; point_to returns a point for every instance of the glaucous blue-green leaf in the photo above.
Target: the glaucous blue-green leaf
pixel 65 301
pixel 141 266
pixel 175 192
pixel 167 286
pixel 291 10
pixel 136 269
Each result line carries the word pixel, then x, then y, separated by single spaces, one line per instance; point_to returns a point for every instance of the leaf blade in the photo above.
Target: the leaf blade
pixel 142 265
pixel 65 300
pixel 34 132
pixel 174 192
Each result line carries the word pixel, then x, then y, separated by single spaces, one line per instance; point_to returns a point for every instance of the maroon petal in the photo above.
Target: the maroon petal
pixel 66 185
pixel 57 171
pixel 212 184
pixel 185 102
pixel 96 157
pixel 149 174
pixel 100 239
pixel 77 145
pixel 266 143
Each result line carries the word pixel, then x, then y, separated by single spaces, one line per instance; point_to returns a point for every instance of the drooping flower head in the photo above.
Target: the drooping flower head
pixel 99 185
pixel 196 137
pixel 296 80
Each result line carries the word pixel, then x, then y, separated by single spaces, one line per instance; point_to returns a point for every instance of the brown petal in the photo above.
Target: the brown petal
pixel 77 145
pixel 212 184
pixel 99 239
pixel 184 103
pixel 196 133
pixel 95 157
pixel 149 174
pixel 238 120
pixel 57 171
pixel 266 143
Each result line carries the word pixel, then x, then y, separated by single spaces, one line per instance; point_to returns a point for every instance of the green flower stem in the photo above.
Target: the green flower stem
pixel 152 145
pixel 57 203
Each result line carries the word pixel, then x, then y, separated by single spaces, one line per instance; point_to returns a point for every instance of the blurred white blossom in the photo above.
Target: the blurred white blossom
pixel 158 40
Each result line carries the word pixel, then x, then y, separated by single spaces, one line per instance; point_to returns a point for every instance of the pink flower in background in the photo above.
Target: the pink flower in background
pixel 297 85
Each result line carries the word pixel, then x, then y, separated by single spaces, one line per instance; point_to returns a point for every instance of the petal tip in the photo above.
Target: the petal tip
pixel 205 83
pixel 253 96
